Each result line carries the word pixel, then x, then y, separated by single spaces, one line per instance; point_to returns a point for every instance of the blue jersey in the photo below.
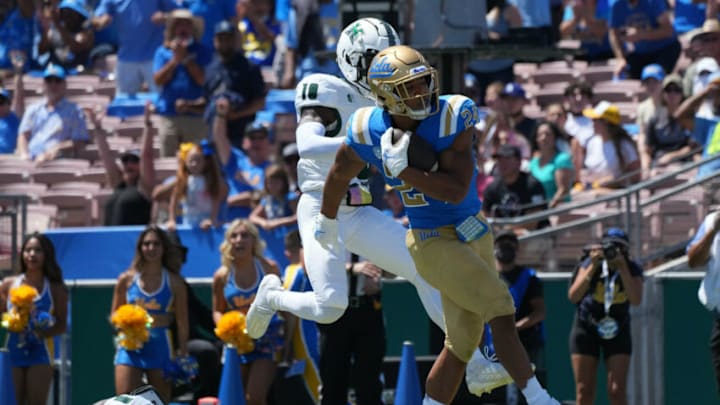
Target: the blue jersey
pixel 158 302
pixel 25 349
pixel 456 113
pixel 241 298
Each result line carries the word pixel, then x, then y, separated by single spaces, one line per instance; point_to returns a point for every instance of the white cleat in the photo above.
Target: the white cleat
pixel 483 375
pixel 260 312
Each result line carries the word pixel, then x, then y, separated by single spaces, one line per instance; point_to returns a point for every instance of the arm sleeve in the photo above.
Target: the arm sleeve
pixel 564 162
pixel 160 58
pixel 311 140
pixel 26 122
pixel 616 17
pixel 104 8
pixel 699 234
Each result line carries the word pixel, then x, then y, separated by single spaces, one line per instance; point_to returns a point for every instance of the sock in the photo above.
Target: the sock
pixel 534 392
pixel 429 401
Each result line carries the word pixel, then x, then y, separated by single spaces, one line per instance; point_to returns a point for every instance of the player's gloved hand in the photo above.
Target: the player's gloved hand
pixel 326 231
pixel 395 155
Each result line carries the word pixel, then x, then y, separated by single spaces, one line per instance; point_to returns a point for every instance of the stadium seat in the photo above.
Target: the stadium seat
pixel 73 206
pixel 32 190
pixel 79 164
pixel 9 174
pixel 84 186
pixel 51 175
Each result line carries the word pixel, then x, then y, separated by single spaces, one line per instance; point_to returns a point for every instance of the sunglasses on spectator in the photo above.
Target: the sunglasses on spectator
pixel 53 79
pixel 672 89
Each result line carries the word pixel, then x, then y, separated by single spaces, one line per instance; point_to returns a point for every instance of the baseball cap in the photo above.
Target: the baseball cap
pixel 707 64
pixel 709 27
pixel 508 150
pixel 224 27
pixel 290 150
pixel 257 127
pixel 54 71
pixel 653 71
pixel 130 156
pixel 77 6
pixel 616 235
pixel 604 111
pixel 513 90
pixel 506 234
pixel 672 79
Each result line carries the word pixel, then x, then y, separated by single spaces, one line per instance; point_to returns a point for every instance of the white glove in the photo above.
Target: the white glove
pixel 326 231
pixel 395 156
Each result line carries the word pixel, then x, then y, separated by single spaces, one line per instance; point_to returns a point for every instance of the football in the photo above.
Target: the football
pixel 421 154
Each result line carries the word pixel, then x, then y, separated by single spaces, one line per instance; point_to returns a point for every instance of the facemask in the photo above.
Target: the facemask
pixel 505 253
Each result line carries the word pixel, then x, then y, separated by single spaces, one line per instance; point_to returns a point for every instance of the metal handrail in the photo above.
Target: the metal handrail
pixel 619 194
pixel 624 198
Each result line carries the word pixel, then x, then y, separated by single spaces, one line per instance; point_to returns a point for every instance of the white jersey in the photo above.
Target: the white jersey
pixel 316 147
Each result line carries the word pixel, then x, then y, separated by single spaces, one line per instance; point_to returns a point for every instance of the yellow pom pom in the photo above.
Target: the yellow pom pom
pixel 231 330
pixel 133 323
pixel 15 321
pixel 23 297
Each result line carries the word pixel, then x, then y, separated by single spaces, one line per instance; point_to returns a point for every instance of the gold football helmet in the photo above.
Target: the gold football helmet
pixel 404 83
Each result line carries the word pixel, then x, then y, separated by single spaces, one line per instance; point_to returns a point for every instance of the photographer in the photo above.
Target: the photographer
pixel 603 287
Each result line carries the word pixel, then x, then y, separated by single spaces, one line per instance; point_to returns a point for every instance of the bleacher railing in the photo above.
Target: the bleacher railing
pixel 630 204
pixel 12 206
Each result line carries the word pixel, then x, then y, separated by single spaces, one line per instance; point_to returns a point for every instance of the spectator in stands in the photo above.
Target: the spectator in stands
pixel 17 25
pixel 231 76
pixel 536 20
pixel 501 16
pixel 500 132
pixel 513 99
pixel 652 78
pixel 552 167
pixel 577 97
pixel 132 180
pixel 259 30
pixel 244 170
pixel 153 282
pixel 641 33
pixel 702 252
pixel 704 41
pixel 555 114
pixel 611 160
pixel 278 205
pixel 664 139
pixel 513 192
pixel 199 188
pixel 212 12
pixel 303 36
pixel 706 131
pixel 234 287
pixel 603 287
pixel 587 21
pixel 696 80
pixel 30 352
pixel 527 292
pixel 66 36
pixel 689 14
pixel 140 31
pixel 290 158
pixel 302 343
pixel 10 109
pixel 178 72
pixel 55 127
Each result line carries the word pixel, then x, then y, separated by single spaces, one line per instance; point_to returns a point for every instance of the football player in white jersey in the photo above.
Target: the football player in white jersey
pixel 324 103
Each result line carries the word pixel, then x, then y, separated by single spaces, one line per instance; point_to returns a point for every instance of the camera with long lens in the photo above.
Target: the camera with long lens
pixel 610 250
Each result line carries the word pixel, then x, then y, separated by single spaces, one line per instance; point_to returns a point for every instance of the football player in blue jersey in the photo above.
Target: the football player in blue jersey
pixel 450 241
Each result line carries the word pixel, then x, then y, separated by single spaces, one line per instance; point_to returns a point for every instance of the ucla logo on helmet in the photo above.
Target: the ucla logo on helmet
pixel 381 69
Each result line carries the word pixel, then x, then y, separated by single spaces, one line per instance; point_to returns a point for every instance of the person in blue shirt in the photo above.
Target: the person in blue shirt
pixel 641 33
pixel 53 127
pixel 244 168
pixel 10 111
pixel 212 12
pixel 587 20
pixel 179 73
pixel 140 31
pixel 259 29
pixel 230 75
pixel 449 239
pixel 17 30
